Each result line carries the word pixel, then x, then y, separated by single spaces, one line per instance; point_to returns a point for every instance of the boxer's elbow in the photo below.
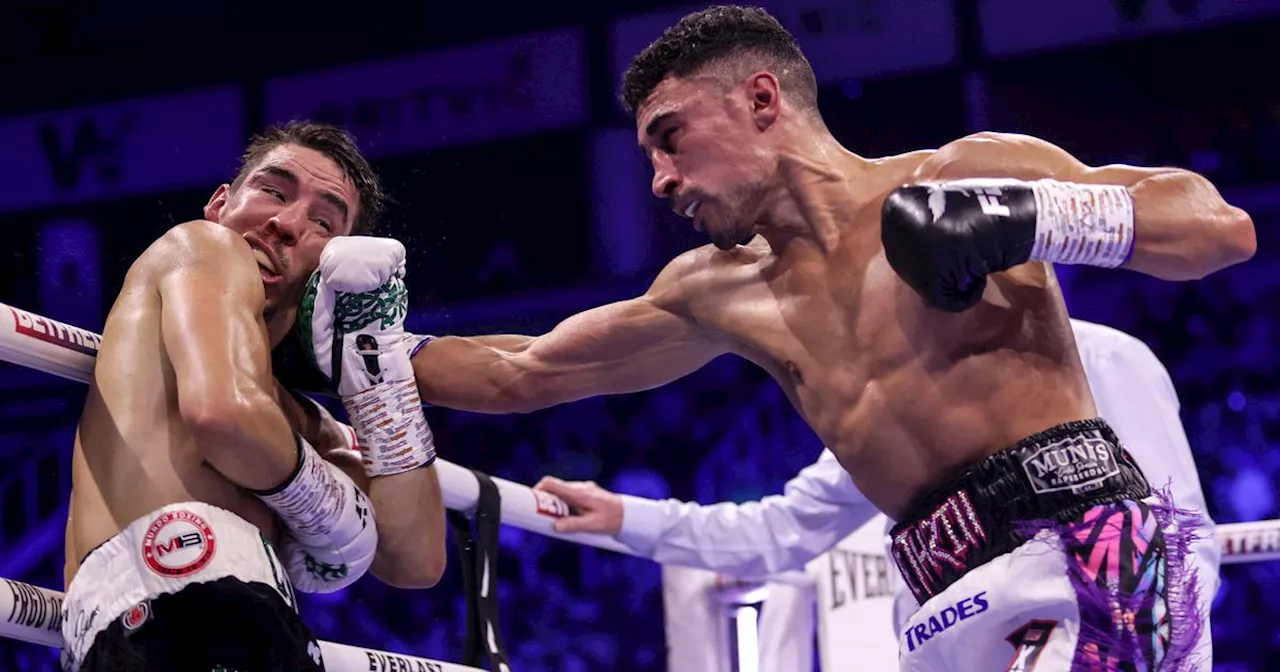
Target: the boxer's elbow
pixel 1188 230
pixel 431 569
pixel 1238 236
pixel 220 422
pixel 416 572
pixel 1228 238
pixel 208 418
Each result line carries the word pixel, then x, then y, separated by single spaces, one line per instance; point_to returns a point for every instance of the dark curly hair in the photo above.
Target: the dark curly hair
pixel 340 147
pixel 748 35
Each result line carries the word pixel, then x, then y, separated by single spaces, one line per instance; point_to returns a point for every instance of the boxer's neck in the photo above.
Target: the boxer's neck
pixel 817 187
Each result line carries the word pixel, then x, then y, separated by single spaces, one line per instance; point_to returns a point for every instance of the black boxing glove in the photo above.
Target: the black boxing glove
pixel 943 239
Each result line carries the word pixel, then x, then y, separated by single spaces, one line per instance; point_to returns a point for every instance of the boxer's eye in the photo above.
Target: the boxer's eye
pixel 323 224
pixel 667 141
pixel 274 192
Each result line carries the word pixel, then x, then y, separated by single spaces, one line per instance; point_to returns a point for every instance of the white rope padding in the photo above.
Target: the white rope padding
pixel 1257 541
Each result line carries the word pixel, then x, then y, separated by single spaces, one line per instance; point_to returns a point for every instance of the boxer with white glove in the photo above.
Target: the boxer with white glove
pixel 352 318
pixel 407 509
pixel 331 537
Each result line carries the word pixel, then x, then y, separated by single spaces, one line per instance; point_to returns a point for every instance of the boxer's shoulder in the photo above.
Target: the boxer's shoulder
pixel 182 245
pixel 994 154
pixel 203 237
pixel 706 272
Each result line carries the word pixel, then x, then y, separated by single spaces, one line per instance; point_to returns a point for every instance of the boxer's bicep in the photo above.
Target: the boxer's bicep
pixel 620 347
pixel 1022 157
pixel 627 346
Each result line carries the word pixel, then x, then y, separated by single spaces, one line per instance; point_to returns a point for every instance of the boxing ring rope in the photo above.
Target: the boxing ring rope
pixel 32 613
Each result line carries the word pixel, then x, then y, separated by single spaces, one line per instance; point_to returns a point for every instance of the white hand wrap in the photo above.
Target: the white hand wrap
pixel 1083 223
pixel 353 317
pixel 331 533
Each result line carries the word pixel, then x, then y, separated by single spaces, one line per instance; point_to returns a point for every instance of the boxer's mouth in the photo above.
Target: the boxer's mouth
pixel 268 264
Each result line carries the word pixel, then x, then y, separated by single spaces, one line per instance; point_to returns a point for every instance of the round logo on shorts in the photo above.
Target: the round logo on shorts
pixel 178 543
pixel 135 616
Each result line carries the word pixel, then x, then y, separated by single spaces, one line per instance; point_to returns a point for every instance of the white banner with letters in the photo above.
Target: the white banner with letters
pixel 855 584
pixel 126 148
pixel 470 94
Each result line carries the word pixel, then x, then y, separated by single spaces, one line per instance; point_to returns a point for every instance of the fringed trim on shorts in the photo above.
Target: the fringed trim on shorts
pixel 1139 607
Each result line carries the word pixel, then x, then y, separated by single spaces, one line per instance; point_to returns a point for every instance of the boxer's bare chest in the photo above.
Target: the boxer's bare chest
pixel 887 383
pixel 827 326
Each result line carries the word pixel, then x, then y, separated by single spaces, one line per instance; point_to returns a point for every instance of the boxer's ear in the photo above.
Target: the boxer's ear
pixel 765 95
pixel 213 209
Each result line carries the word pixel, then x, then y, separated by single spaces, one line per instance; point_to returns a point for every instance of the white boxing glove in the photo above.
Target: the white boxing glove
pixel 331 535
pixel 352 319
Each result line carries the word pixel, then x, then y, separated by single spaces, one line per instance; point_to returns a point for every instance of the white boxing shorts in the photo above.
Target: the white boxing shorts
pixel 1050 555
pixel 188 586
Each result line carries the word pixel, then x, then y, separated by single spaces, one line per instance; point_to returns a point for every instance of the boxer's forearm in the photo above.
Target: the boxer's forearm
pixel 1184 230
pixel 410 512
pixel 505 342
pixel 471 374
pixel 408 507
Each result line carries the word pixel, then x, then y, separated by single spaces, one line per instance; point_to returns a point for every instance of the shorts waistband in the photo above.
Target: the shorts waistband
pixel 161 553
pixel 1057 475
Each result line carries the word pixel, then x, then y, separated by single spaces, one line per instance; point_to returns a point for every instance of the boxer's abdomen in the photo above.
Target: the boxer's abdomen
pixel 903 394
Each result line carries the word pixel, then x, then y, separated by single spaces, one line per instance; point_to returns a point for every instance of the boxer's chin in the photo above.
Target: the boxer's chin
pixel 727 239
pixel 723 242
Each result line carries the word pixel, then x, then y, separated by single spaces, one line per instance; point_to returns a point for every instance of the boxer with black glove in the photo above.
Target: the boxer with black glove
pixel 944 238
